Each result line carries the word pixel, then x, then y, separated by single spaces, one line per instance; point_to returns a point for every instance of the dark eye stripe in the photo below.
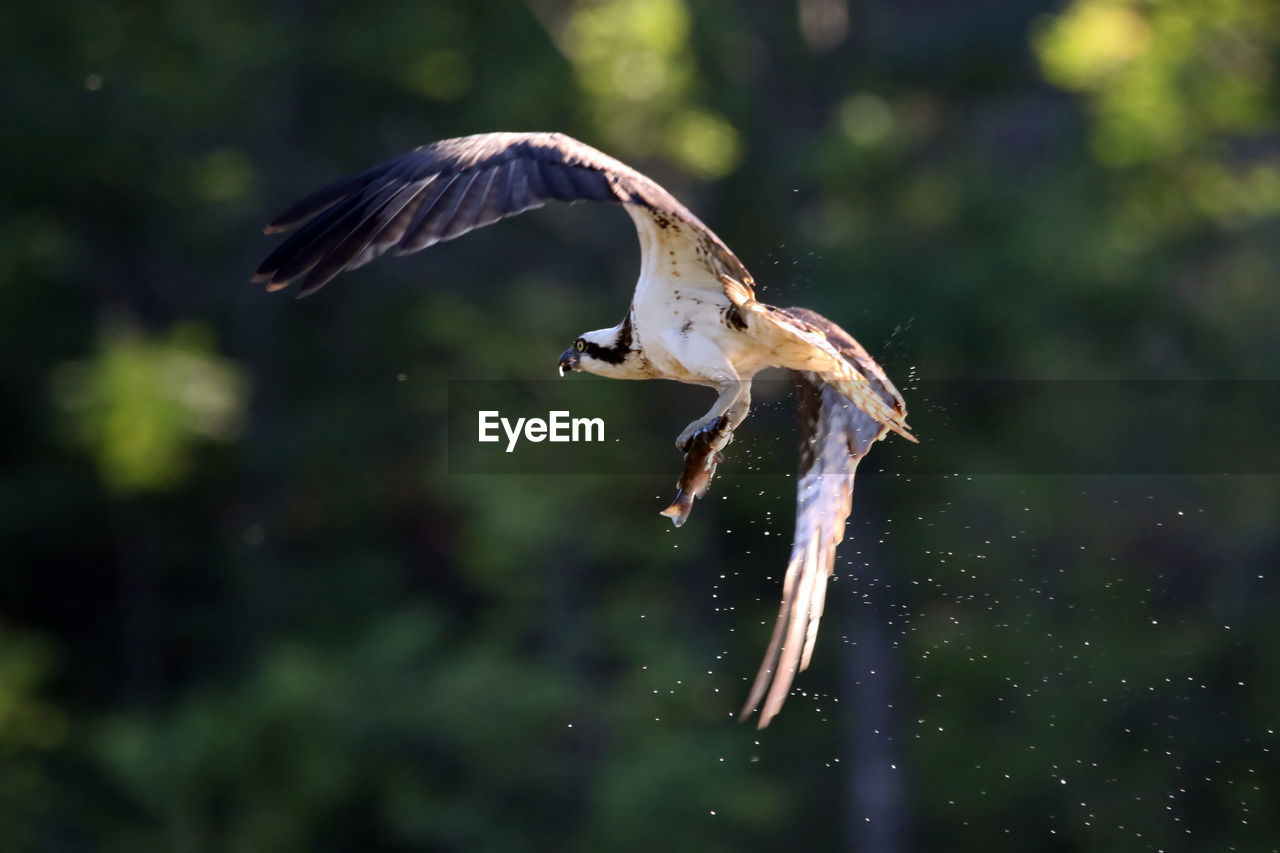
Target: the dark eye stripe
pixel 611 355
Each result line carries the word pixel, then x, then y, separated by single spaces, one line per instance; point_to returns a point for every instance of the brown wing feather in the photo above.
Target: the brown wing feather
pixel 855 374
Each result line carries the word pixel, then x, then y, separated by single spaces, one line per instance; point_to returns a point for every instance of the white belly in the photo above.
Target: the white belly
pixel 679 312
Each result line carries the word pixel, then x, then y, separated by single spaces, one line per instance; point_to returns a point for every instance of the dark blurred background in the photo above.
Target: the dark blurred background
pixel 246 607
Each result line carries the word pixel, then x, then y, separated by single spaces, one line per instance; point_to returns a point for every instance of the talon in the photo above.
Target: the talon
pixel 718 428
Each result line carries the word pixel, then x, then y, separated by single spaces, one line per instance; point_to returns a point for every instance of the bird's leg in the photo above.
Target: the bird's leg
pixel 734 401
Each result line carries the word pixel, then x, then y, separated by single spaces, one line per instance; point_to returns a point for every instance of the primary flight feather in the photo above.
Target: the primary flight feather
pixel 693 318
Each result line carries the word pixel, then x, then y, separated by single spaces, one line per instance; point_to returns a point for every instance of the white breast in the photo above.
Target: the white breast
pixel 679 303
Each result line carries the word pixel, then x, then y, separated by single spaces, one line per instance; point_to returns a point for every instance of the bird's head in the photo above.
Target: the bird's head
pixel 604 352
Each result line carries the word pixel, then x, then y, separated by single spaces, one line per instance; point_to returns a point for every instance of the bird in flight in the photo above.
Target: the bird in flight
pixel 693 318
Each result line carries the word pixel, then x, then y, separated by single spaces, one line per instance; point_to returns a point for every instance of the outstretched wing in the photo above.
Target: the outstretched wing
pixel 441 191
pixel 835 433
pixel 812 343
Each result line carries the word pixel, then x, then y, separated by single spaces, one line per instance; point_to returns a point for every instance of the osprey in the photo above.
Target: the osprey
pixel 693 318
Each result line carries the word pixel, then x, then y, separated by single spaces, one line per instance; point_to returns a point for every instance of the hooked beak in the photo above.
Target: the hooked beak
pixel 569 361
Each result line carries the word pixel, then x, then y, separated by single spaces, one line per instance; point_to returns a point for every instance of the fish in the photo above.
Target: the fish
pixel 700 460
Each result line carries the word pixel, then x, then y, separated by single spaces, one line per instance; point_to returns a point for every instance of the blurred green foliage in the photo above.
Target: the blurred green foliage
pixel 635 65
pixel 138 405
pixel 1174 86
pixel 246 607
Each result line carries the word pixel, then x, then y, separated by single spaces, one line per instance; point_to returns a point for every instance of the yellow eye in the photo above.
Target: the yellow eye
pixel 580 345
